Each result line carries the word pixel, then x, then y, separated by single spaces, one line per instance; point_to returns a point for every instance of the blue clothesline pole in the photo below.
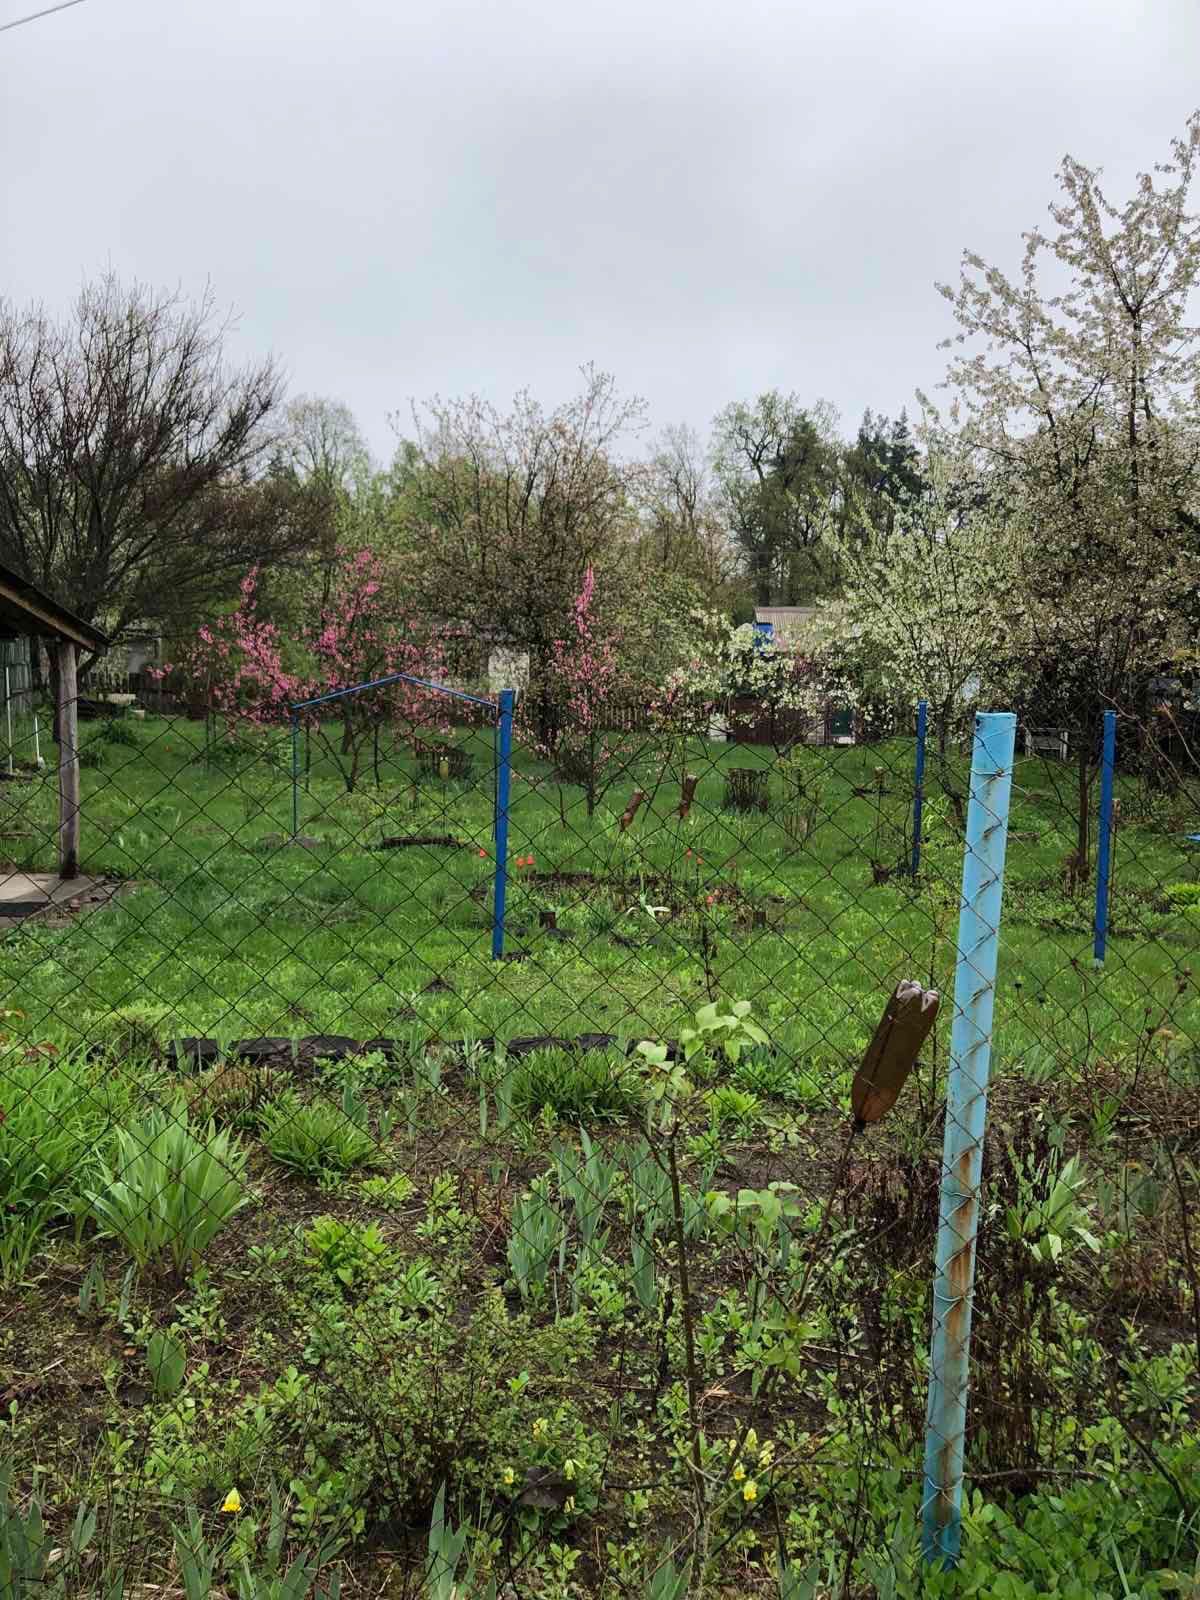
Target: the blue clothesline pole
pixel 1104 844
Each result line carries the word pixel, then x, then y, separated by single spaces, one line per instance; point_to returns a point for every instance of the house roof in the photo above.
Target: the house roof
pixel 28 612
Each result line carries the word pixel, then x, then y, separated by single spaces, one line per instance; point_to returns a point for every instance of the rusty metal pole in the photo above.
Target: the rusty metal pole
pixel 966 1118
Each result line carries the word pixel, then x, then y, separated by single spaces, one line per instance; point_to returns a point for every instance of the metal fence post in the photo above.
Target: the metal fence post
pixel 1104 845
pixel 966 1116
pixel 919 783
pixel 295 776
pixel 503 785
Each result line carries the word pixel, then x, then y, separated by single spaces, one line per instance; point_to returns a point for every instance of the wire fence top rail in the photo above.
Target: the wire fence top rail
pixel 395 677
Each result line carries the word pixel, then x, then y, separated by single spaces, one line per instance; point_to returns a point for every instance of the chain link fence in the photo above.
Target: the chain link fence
pixel 343 1253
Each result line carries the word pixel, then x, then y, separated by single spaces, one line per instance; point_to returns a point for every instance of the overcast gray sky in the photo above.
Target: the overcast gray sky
pixel 707 199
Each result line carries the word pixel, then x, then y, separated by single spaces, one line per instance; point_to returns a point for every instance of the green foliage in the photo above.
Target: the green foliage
pixel 170 1190
pixel 574 1085
pixel 25 1552
pixel 59 1112
pixel 350 1253
pixel 166 1360
pixel 537 1235
pixel 318 1136
pixel 391 1190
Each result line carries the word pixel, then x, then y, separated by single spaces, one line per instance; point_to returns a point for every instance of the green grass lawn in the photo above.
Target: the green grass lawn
pixel 224 932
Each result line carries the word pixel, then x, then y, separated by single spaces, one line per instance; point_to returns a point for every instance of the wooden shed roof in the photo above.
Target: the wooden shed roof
pixel 28 612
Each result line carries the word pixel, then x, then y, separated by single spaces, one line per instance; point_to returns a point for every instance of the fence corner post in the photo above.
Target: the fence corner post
pixel 504 726
pixel 919 783
pixel 1104 843
pixel 966 1119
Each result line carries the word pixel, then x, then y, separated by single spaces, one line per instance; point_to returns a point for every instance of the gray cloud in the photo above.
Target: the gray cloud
pixel 707 199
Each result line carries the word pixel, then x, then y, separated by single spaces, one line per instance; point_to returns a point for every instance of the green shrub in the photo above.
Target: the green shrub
pixel 1184 895
pixel 170 1190
pixel 575 1085
pixel 317 1136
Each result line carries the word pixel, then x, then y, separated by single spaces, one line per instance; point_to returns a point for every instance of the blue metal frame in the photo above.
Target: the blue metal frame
pixel 501 709
pixel 919 783
pixel 966 1119
pixel 395 677
pixel 503 784
pixel 1104 844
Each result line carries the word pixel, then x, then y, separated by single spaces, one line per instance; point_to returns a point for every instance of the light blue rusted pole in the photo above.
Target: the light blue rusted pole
pixel 966 1118
pixel 1104 844
pixel 503 786
pixel 919 783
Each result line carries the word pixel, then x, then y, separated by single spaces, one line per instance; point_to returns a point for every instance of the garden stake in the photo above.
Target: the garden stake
pixel 966 1118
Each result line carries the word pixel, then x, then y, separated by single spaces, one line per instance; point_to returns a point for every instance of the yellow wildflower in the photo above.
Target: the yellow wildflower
pixel 750 1492
pixel 232 1501
pixel 569 1468
pixel 767 1454
pixel 739 1472
pixel 569 1503
pixel 508 1475
pixel 751 1442
pixel 540 1428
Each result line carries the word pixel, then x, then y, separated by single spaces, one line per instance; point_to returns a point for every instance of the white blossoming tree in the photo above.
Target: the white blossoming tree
pixel 1083 404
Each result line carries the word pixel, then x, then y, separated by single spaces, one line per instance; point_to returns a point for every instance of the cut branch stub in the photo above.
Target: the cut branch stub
pixel 891 1055
pixel 687 794
pixel 631 810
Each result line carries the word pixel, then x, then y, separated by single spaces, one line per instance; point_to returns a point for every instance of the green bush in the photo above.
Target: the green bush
pixel 1184 895
pixel 317 1136
pixel 170 1190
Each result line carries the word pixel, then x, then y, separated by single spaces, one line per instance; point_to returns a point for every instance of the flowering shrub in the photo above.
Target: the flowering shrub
pixel 244 671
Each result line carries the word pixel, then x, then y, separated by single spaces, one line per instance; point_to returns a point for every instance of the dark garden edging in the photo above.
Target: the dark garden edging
pixel 193 1052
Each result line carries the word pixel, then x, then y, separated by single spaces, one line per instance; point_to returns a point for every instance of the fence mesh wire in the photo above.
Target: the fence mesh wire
pixel 338 1253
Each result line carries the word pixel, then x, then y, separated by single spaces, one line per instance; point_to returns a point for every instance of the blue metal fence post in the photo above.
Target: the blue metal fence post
pixel 1104 845
pixel 919 783
pixel 295 776
pixel 503 786
pixel 966 1116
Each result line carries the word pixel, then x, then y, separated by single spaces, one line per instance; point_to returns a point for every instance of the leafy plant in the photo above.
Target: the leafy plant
pixel 318 1136
pixel 166 1359
pixel 24 1554
pixel 574 1085
pixel 348 1252
pixel 1049 1213
pixel 536 1237
pixel 170 1190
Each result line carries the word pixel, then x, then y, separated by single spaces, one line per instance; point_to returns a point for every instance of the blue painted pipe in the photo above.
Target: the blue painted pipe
pixel 919 783
pixel 503 789
pixel 1104 845
pixel 966 1117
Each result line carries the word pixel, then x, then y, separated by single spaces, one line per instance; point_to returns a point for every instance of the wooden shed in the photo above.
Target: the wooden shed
pixel 27 612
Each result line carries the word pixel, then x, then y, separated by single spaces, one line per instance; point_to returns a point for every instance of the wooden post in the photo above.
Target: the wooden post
pixel 68 762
